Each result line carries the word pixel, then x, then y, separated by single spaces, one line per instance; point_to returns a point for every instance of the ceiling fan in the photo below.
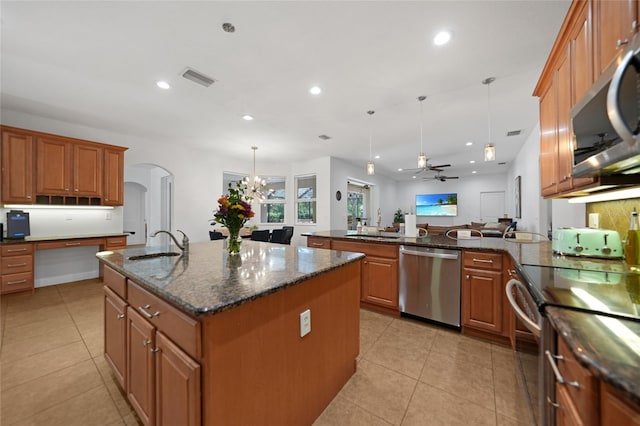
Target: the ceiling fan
pixel 440 177
pixel 427 168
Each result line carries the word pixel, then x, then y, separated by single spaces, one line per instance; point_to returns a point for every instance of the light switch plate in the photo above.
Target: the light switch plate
pixel 594 220
pixel 305 323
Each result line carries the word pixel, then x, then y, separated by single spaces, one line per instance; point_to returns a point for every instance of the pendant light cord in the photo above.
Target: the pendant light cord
pixel 371 112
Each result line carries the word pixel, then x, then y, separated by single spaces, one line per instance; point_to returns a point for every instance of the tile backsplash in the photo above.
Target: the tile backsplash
pixel 614 214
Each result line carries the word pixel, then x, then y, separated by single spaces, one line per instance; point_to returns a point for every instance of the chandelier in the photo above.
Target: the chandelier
pixel 254 182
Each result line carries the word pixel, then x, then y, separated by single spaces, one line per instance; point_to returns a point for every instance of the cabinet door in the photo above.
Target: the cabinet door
pixel 177 385
pixel 548 142
pixel 615 409
pixel 53 169
pixel 482 300
pixel 140 366
pixel 563 105
pixel 87 170
pixel 616 23
pixel 317 242
pixel 113 177
pixel 380 281
pixel 115 333
pixel 566 412
pixel 17 167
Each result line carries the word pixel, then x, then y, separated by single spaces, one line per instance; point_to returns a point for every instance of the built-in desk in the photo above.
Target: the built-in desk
pixel 16 256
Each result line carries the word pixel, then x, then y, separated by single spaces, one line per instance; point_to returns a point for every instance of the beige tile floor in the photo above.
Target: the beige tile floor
pixel 52 371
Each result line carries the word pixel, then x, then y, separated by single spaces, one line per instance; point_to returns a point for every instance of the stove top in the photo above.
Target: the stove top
pixel 603 292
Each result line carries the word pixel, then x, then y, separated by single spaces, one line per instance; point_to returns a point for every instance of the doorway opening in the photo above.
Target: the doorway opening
pixel 358 203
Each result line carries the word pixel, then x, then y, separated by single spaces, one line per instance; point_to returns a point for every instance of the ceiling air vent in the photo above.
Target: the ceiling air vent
pixel 325 137
pixel 197 77
pixel 514 132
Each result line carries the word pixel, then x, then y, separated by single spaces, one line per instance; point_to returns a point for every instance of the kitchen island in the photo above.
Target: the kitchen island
pixel 208 338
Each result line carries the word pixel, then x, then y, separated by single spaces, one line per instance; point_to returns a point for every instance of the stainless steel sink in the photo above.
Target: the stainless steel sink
pixel 154 255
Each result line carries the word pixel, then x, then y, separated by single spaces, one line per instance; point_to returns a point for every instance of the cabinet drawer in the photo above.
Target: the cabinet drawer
pixel 585 396
pixel 317 242
pixel 477 259
pixel 16 249
pixel 115 281
pixel 17 282
pixel 183 330
pixel 115 243
pixel 370 249
pixel 70 243
pixel 16 264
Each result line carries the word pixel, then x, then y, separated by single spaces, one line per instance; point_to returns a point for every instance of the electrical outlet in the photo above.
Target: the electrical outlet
pixel 305 323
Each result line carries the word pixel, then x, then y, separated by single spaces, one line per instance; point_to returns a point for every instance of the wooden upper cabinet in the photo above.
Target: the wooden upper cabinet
pixel 87 170
pixel 113 194
pixel 17 167
pixel 581 53
pixel 615 24
pixel 548 141
pixel 53 170
pixel 563 108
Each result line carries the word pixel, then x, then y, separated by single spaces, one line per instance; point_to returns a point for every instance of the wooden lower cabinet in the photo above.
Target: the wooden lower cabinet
pixel 566 412
pixel 616 409
pixel 177 385
pixel 483 296
pixel 141 366
pixel 16 268
pixel 318 242
pixel 115 334
pixel 378 278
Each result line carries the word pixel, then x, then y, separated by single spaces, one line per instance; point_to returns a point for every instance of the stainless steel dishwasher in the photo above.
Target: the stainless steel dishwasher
pixel 430 284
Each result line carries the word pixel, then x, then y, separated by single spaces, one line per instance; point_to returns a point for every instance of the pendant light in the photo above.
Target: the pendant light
pixel 489 148
pixel 370 165
pixel 422 158
pixel 254 182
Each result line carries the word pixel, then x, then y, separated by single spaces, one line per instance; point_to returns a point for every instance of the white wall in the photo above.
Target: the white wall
pixel 467 188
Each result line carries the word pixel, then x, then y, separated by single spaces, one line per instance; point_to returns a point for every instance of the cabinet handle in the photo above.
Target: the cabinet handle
pixel 317 244
pixel 76 189
pixel 16 282
pixel 482 260
pixel 16 265
pixel 16 250
pixel 146 342
pixel 621 42
pixel 119 316
pixel 556 372
pixel 29 197
pixel 554 404
pixel 71 244
pixel 512 272
pixel 154 350
pixel 467 277
pixel 147 314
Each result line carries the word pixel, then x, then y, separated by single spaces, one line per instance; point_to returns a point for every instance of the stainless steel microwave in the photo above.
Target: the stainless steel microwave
pixel 606 121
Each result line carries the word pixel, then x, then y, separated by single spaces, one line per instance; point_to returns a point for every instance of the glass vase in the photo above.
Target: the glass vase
pixel 234 241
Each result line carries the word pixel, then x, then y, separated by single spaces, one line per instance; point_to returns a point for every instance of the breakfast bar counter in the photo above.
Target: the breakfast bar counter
pixel 268 336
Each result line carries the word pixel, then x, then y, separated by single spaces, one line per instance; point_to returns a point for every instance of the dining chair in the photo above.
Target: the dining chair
pixel 261 235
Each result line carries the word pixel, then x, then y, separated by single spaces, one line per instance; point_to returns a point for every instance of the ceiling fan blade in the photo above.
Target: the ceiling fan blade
pixel 439 166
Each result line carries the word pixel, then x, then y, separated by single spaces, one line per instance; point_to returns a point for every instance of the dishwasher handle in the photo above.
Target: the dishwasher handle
pixel 531 325
pixel 429 254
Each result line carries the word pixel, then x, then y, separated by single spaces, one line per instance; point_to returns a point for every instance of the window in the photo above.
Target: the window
pixel 272 208
pixel 358 199
pixel 306 199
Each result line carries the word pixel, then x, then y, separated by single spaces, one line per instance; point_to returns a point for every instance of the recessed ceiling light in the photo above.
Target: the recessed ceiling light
pixel 469 143
pixel 413 177
pixel 472 161
pixel 247 117
pixel 377 157
pixel 163 85
pixel 441 38
pixel 315 90
pixel 400 169
pixel 474 171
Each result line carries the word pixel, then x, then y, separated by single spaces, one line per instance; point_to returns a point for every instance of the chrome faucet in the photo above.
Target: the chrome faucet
pixel 185 240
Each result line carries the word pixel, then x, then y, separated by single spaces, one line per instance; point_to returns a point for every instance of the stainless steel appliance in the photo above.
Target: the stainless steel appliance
pixel 604 243
pixel 594 290
pixel 606 121
pixel 430 284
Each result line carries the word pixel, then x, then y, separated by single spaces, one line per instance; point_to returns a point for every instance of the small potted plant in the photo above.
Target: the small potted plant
pixel 398 218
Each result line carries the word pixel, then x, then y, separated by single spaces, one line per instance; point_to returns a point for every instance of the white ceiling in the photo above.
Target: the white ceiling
pixel 96 63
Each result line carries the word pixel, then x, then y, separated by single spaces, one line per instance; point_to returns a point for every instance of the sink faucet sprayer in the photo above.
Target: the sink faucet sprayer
pixel 185 240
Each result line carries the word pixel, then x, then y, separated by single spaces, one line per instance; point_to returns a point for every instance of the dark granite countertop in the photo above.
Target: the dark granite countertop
pixel 208 280
pixel 608 347
pixel 58 238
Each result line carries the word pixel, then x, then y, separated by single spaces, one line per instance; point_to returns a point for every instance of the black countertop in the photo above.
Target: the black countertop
pixel 208 280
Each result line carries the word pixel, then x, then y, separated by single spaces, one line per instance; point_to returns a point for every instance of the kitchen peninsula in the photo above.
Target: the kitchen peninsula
pixel 208 338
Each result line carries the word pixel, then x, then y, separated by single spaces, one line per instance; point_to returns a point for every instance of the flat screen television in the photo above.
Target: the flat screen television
pixel 437 204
